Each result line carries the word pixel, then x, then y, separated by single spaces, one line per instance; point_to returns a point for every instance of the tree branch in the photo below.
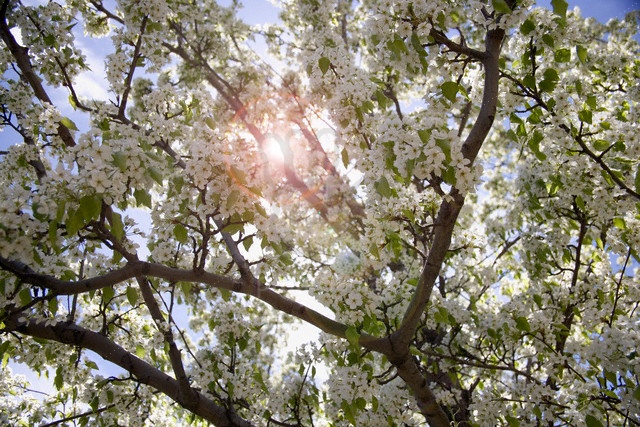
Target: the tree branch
pixel 133 269
pixel 72 334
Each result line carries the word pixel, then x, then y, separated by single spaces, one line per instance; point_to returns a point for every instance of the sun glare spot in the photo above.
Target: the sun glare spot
pixel 273 151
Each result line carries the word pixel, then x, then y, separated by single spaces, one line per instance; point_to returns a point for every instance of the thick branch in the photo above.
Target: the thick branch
pixel 449 210
pixel 139 268
pixel 408 370
pixel 72 334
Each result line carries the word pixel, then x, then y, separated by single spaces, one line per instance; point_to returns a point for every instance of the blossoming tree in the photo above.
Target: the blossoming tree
pixel 169 227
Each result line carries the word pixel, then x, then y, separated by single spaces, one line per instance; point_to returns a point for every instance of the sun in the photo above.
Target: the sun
pixel 273 150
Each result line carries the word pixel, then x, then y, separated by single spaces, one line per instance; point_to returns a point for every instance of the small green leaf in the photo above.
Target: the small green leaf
pixel 592 421
pixel 25 296
pixel 445 146
pixel 155 174
pixel 345 157
pixel 90 207
pixel 140 351
pixel 549 40
pixel 120 160
pixel 49 40
pixel 232 199
pixel 523 324
pixel 211 123
pixel 450 90
pixel 74 222
pixel 143 198
pixel 108 293
pixel 58 381
pixel 550 80
pixel 233 228
pixel 425 135
pixel 562 55
pixel 324 63
pixel 619 223
pixel 560 7
pixel 417 46
pixel 132 295
pixel 352 335
pixel 582 53
pixel 68 123
pixel 600 144
pixel 501 6
pixel 585 116
pixel 382 187
pixel 117 226
pixel 513 422
pixel 181 234
pixel 534 145
pixel 637 180
pixel 91 364
pixel 636 393
pixel 526 27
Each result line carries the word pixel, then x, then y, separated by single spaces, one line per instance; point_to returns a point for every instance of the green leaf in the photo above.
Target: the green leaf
pixel 445 146
pixel 550 80
pixel 68 123
pixel 592 421
pixel 582 53
pixel 91 364
pixel 560 7
pixel 513 422
pixel 526 27
pixel 58 381
pixel 324 63
pixel 345 157
pixel 155 174
pixel 181 234
pixel 450 90
pixel 523 324
pixel 140 351
pixel 25 296
pixel 53 305
pixel 534 145
pixel 585 116
pixel 108 293
pixel 120 160
pixel 132 295
pixel 143 198
pixel 425 135
pixel 49 40
pixel 562 55
pixel 352 335
pixel 90 207
pixel 600 144
pixel 636 393
pixel 501 6
pixel 549 40
pixel 74 222
pixel 117 226
pixel 619 223
pixel 232 199
pixel 417 46
pixel 233 228
pixel 637 180
pixel 211 123
pixel 382 187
